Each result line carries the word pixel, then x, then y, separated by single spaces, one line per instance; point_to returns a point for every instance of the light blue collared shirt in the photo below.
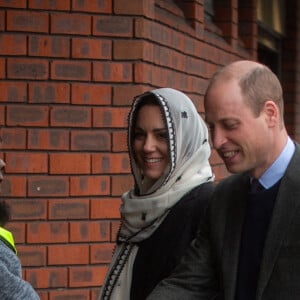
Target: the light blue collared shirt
pixel 277 169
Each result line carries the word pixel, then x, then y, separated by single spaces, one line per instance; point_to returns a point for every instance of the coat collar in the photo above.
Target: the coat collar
pixel 283 213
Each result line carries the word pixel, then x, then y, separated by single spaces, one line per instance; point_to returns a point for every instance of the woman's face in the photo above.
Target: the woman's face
pixel 150 142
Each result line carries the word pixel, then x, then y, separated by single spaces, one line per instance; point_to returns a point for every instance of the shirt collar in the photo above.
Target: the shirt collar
pixel 277 169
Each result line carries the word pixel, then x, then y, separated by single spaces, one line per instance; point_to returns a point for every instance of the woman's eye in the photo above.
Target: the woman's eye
pixel 164 135
pixel 138 135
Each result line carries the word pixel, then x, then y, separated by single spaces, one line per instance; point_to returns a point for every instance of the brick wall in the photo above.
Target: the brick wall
pixel 69 70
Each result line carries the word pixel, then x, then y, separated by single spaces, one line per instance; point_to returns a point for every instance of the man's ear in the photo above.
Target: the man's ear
pixel 271 112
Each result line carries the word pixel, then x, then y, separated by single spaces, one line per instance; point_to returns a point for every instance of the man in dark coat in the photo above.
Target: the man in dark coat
pixel 249 246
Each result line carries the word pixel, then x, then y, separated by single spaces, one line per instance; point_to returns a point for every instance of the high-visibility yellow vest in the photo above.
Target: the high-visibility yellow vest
pixel 7 237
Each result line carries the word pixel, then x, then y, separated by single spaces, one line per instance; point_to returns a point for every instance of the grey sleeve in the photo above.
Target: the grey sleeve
pixel 12 286
pixel 194 278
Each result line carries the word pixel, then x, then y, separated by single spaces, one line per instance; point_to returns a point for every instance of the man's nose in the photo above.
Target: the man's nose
pixel 218 138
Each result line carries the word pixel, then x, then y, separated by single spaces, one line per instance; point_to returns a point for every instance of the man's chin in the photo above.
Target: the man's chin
pixel 234 169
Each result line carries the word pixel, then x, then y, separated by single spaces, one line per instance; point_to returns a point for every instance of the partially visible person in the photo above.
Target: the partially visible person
pixel 12 286
pixel 249 245
pixel 169 151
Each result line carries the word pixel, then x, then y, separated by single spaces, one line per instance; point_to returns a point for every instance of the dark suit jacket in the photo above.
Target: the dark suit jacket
pixel 209 268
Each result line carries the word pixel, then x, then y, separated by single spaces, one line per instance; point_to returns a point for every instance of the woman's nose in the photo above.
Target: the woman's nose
pixel 149 144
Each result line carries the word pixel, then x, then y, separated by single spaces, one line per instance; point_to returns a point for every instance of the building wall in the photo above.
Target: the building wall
pixel 68 73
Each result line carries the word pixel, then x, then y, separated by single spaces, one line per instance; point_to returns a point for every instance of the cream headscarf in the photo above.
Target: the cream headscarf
pixel 144 209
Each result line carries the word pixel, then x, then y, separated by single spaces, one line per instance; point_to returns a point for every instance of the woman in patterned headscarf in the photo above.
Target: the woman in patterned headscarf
pixel 169 151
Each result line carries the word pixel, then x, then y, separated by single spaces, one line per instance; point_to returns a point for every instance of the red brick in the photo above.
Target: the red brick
pixel 71 70
pixel 2 20
pixel 115 227
pixel 53 46
pixel 197 85
pixel 12 44
pixel 172 59
pixel 19 68
pixel 124 94
pixel 12 91
pixel 13 138
pixel 133 7
pixel 105 208
pixel 49 92
pixel 134 49
pixel 95 292
pixel 110 117
pixel 28 209
pixel 24 162
pixel 92 6
pixel 13 186
pixel 28 115
pixel 91 94
pixel 45 186
pixel 32 255
pixel 109 163
pixel 89 185
pixel 43 294
pixel 95 140
pixel 47 232
pixel 193 12
pixel 48 139
pixel 69 294
pixel 148 29
pixel 49 5
pixel 71 116
pixel 113 26
pixel 91 49
pixel 27 21
pixel 112 71
pixel 71 24
pixel 102 253
pixel 18 231
pixel 87 276
pixel 76 208
pixel 2 67
pixel 121 184
pixel 70 163
pixel 119 141
pixel 2 115
pixel 97 231
pixel 13 3
pixel 45 278
pixel 68 254
pixel 143 73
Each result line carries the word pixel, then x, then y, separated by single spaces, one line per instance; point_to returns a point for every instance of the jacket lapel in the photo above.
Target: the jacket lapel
pixel 283 212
